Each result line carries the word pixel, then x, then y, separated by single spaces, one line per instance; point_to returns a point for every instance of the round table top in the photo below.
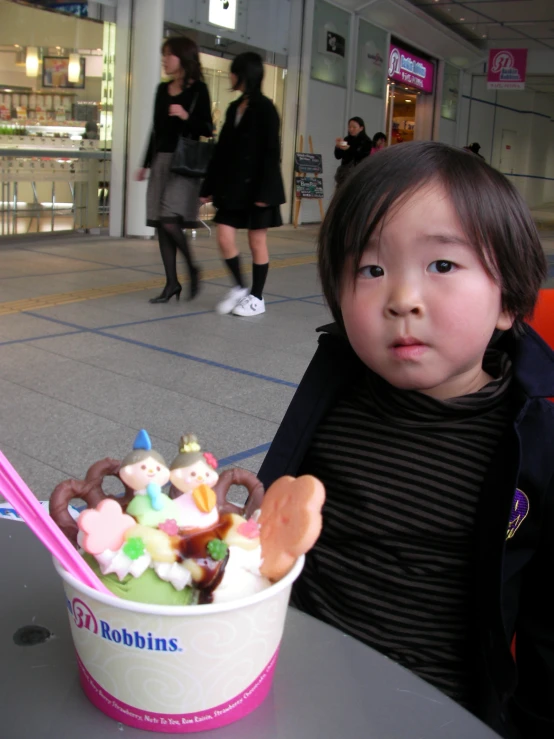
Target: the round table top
pixel 326 684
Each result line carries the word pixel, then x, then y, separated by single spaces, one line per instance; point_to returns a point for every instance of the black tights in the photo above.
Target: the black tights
pixel 171 238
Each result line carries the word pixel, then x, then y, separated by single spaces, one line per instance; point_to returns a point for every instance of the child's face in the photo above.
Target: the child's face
pixel 422 308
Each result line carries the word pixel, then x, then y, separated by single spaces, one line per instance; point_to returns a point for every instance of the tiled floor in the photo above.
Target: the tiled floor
pixel 85 360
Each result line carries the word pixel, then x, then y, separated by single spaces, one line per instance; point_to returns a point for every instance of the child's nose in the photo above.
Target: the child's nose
pixel 404 299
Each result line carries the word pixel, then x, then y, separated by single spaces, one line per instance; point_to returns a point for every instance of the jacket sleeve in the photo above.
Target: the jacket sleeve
pixel 151 148
pixel 333 364
pixel 363 150
pixel 200 122
pixel 533 704
pixel 208 185
pixel 339 153
pixel 270 188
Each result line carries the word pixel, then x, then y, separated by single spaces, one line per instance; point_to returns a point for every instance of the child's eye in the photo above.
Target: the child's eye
pixel 371 271
pixel 442 266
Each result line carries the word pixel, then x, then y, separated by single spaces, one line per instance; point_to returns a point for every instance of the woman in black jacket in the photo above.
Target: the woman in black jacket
pixel 352 149
pixel 244 181
pixel 182 107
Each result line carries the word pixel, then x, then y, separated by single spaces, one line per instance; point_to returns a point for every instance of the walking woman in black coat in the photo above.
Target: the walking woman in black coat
pixel 182 108
pixel 244 181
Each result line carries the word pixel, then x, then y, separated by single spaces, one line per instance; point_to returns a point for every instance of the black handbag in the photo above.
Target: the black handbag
pixel 191 158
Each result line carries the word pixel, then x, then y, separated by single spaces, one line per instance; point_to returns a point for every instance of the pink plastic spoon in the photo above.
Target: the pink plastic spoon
pixel 18 494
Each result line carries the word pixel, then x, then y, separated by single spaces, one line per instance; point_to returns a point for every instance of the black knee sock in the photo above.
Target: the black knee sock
pixel 259 274
pixel 168 251
pixel 177 235
pixel 233 265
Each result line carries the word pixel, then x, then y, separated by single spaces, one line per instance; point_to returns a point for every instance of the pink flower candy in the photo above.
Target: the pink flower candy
pixel 104 527
pixel 249 529
pixel 169 527
pixel 211 460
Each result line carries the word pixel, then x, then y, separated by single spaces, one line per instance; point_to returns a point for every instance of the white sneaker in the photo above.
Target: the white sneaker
pixel 249 306
pixel 231 300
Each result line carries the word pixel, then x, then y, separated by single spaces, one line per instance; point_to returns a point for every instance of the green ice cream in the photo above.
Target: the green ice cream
pixel 148 588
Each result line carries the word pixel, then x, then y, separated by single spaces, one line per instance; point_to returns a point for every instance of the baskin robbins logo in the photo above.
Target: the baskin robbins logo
pixel 504 63
pixel 84 618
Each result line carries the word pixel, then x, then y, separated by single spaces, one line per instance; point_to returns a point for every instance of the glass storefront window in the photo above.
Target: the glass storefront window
pixel 56 103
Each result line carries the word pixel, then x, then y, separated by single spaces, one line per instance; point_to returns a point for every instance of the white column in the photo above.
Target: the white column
pixel 147 24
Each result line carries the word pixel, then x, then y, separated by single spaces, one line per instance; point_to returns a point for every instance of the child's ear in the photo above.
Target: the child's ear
pixel 505 321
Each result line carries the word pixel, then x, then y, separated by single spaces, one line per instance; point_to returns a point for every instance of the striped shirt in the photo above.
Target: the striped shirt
pixel 393 566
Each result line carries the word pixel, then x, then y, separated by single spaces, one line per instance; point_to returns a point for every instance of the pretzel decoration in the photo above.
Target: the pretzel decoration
pixel 90 490
pixel 290 522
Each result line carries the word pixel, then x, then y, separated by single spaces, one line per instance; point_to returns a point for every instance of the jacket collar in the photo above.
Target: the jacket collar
pixel 532 358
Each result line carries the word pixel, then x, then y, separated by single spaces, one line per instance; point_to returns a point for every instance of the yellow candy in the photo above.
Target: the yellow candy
pixel 234 539
pixel 157 543
pixel 205 498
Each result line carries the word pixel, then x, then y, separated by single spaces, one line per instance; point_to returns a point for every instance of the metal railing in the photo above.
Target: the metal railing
pixel 42 186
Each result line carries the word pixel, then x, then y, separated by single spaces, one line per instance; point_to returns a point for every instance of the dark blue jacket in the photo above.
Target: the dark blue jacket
pixel 514 538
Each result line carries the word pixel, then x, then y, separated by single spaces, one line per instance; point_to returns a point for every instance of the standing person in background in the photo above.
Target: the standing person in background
pixel 182 108
pixel 379 142
pixel 244 181
pixel 352 149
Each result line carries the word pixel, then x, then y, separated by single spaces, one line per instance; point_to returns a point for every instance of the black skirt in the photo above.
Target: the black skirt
pixel 253 218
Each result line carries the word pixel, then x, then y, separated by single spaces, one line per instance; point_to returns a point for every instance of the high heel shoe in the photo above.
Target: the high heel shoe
pixel 166 294
pixel 194 287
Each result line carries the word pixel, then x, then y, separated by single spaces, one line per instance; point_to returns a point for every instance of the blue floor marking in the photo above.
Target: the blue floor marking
pixel 245 454
pixel 171 352
pixel 39 338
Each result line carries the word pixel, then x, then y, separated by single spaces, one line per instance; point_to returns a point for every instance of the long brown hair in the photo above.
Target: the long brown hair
pixel 187 51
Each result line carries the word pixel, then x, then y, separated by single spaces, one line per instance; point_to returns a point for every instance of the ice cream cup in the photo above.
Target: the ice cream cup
pixel 176 669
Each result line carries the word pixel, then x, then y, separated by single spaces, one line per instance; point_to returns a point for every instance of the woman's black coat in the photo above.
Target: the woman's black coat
pixel 245 168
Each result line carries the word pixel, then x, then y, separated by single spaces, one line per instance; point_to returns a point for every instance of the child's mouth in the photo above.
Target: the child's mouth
pixel 408 348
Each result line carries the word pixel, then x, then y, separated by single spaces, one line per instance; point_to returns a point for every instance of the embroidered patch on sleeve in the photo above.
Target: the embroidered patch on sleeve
pixel 518 514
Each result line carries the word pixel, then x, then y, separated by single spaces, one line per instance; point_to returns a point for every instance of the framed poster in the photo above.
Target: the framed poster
pixel 371 61
pixel 55 72
pixel 330 44
pixel 309 163
pixel 450 92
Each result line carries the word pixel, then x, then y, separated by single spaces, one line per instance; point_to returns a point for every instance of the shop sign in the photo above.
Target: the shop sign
pixel 330 51
pixel 61 6
pixel 309 163
pixel 410 69
pixel 371 63
pixel 309 187
pixel 506 69
pixel 223 13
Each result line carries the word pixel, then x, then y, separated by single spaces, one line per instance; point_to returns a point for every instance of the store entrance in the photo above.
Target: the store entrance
pixel 402 104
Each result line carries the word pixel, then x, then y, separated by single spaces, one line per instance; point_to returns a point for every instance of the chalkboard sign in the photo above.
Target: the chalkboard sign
pixel 309 187
pixel 311 163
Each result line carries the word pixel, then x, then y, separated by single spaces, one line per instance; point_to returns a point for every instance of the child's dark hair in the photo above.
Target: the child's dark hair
pixel 492 213
pixel 187 51
pixel 249 69
pixel 379 136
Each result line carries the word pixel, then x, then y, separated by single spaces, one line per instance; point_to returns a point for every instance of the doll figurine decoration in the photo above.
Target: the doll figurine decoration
pixel 145 471
pixel 193 475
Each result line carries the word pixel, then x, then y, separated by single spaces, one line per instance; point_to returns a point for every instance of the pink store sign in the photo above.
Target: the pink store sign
pixel 506 69
pixel 410 69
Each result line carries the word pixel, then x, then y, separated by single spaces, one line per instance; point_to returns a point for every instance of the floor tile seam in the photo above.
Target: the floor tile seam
pixel 171 352
pixel 36 459
pixel 40 338
pixel 18 306
pixel 66 403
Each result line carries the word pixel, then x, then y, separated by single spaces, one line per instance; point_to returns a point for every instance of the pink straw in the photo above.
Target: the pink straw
pixel 25 503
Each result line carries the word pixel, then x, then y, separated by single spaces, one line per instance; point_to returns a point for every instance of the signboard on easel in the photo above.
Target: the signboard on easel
pixel 307 184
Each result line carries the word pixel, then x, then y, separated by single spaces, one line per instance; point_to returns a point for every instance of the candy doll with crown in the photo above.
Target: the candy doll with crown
pixel 193 475
pixel 145 471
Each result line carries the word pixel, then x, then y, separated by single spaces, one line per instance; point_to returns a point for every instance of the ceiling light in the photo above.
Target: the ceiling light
pixel 462 19
pixel 31 61
pixel 408 101
pixel 74 68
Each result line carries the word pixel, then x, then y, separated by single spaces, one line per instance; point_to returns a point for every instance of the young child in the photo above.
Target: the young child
pixel 424 412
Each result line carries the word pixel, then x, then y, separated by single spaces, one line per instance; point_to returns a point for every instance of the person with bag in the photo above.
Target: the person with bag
pixel 182 111
pixel 245 184
pixel 352 149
